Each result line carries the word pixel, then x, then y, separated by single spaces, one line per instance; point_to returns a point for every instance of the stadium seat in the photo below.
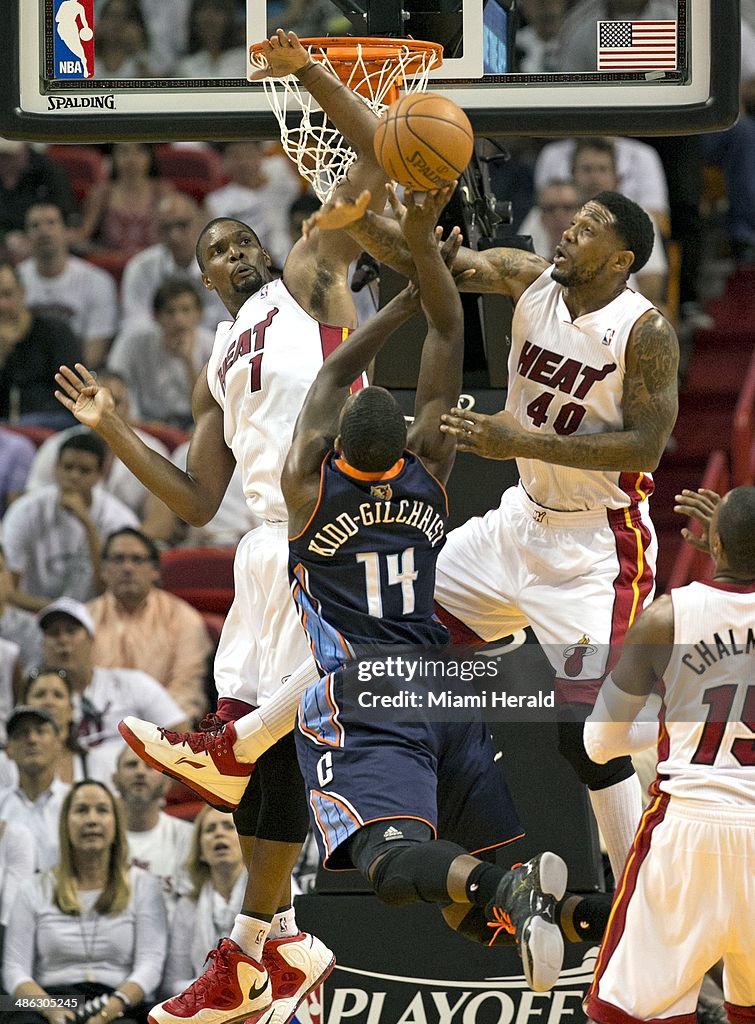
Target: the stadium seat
pixel 214 625
pixel 197 171
pixel 84 165
pixel 201 576
pixel 113 262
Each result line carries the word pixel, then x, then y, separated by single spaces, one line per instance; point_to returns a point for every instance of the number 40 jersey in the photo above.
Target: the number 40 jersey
pixel 363 569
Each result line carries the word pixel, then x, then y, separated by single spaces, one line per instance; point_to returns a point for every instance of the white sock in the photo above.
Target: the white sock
pixel 250 933
pixel 618 810
pixel 284 924
pixel 257 731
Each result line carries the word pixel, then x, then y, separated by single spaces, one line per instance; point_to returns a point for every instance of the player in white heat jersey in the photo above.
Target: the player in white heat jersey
pixel 245 404
pixel 687 896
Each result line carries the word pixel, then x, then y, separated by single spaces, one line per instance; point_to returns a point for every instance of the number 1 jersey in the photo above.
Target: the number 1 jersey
pixel 363 569
pixel 259 373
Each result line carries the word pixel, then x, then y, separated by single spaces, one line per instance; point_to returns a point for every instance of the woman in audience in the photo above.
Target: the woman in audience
pixel 216 868
pixel 122 41
pixel 120 215
pixel 91 926
pixel 214 50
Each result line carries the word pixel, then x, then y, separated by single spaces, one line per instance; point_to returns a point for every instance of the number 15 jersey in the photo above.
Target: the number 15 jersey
pixel 363 569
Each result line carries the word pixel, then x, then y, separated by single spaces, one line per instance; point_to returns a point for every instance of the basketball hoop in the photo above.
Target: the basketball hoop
pixel 373 68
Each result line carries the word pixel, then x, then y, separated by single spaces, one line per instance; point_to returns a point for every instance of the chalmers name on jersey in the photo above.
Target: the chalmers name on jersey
pixel 259 373
pixel 567 377
pixel 706 748
pixel 363 570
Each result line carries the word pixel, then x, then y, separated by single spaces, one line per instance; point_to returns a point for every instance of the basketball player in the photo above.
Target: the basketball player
pixel 687 896
pixel 245 404
pixel 367 513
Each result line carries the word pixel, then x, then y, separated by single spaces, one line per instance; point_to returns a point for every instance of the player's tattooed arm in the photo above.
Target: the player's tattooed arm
pixel 650 405
pixel 503 271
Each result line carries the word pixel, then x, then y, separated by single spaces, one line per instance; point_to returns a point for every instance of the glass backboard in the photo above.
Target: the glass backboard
pixel 676 72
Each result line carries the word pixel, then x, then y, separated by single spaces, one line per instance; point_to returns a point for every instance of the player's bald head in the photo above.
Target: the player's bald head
pixel 232 223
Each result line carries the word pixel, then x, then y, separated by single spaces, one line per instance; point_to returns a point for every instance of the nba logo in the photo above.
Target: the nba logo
pixel 74 38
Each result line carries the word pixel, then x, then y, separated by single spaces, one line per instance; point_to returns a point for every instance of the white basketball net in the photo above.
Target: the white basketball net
pixel 320 152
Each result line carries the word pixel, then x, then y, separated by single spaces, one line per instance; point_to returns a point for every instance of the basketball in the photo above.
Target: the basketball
pixel 86 34
pixel 423 141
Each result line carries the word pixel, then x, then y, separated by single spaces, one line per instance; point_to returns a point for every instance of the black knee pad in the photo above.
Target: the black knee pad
pixel 406 869
pixel 571 746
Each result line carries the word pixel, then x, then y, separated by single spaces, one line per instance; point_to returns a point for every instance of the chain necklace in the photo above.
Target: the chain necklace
pixel 88 942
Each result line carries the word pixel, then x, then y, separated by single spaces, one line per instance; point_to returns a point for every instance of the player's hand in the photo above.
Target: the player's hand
pixel 283 55
pixel 492 437
pixel 449 250
pixel 336 214
pixel 700 506
pixel 80 393
pixel 417 221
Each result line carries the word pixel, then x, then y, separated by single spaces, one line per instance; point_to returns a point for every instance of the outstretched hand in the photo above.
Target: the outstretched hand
pixel 700 506
pixel 80 393
pixel 336 214
pixel 279 56
pixel 493 437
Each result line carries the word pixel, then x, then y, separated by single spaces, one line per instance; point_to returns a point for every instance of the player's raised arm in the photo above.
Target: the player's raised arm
pixel 502 271
pixel 440 374
pixel 195 495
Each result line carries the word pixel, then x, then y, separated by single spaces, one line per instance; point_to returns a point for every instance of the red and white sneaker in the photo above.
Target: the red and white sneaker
pixel 296 965
pixel 232 988
pixel 203 761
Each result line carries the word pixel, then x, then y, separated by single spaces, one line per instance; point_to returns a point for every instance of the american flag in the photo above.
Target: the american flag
pixel 636 45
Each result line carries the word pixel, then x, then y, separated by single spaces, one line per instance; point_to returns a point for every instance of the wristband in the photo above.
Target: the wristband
pixel 127 1003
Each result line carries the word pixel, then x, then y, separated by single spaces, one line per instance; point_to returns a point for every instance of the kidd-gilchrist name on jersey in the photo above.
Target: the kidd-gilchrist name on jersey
pixel 260 370
pixel 567 377
pixel 366 559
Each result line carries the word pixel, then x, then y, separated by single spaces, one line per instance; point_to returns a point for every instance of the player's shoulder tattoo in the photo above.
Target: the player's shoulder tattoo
pixel 653 352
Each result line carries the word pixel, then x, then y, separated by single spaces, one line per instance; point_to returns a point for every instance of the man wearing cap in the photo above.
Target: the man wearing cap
pixel 34 744
pixel 101 696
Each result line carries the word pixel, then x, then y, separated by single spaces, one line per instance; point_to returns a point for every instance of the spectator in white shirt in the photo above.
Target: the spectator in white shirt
pixel 93 927
pixel 538 43
pixel 216 47
pixel 594 171
pixel 161 361
pixel 157 842
pixel 34 744
pixel 557 204
pixel 179 222
pixel 16 625
pixel 259 192
pixel 60 285
pixel 15 864
pixel 101 696
pixel 53 536
pixel 639 172
pixel 215 867
pixel 157 521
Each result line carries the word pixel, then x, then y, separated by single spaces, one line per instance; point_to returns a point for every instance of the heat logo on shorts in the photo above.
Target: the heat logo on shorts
pixel 74 39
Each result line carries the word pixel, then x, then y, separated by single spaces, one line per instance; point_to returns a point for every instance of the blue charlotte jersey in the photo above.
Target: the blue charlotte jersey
pixel 363 570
